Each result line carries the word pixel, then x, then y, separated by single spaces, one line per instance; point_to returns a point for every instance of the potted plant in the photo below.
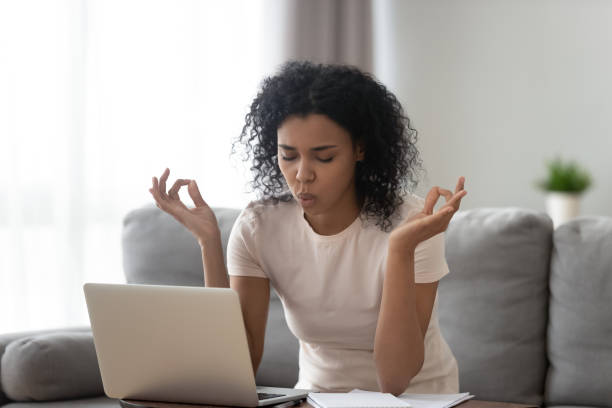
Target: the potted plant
pixel 564 186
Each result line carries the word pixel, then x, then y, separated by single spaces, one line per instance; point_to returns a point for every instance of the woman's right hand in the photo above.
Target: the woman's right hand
pixel 201 220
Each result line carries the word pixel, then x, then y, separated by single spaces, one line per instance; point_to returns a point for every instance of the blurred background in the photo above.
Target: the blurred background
pixel 99 96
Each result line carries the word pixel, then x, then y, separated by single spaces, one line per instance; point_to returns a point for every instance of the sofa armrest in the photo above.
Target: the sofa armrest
pixel 8 338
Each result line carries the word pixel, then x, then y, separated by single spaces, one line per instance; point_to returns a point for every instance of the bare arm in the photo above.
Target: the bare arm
pixel 399 345
pixel 254 296
pixel 215 272
pixel 403 320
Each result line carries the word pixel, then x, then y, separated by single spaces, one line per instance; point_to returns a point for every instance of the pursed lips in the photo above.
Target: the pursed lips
pixel 305 196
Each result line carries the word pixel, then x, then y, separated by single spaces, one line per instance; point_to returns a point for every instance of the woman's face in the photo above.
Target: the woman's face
pixel 317 159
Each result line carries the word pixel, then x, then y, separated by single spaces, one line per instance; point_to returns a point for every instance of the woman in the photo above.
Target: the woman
pixel 354 258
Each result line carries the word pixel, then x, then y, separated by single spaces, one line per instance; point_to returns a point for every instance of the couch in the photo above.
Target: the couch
pixel 526 309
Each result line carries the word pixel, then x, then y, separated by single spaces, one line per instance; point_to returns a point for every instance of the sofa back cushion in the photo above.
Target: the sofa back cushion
pixel 580 324
pixel 493 303
pixel 158 250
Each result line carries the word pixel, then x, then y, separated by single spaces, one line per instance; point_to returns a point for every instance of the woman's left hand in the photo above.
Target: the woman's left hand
pixel 426 223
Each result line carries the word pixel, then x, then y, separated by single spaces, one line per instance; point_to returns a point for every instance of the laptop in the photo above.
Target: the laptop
pixel 177 344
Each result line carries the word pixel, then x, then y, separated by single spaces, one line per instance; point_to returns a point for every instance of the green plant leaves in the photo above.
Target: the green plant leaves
pixel 566 177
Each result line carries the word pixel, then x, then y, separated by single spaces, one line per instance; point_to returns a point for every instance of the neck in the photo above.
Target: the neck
pixel 338 218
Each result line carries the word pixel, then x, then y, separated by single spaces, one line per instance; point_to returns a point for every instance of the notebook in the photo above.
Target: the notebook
pixel 355 400
pixel 428 400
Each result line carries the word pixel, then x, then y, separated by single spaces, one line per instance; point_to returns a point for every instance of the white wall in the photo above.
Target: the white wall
pixel 495 88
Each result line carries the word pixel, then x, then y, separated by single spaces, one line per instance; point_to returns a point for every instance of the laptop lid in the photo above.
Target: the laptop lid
pixel 171 343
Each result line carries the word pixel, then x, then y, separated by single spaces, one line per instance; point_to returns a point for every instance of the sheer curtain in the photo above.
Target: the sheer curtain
pixel 96 97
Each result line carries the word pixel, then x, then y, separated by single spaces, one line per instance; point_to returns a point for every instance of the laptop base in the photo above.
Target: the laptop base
pixel 127 403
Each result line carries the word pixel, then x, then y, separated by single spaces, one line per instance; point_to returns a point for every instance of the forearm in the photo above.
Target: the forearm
pixel 398 346
pixel 215 272
pixel 255 352
pixel 215 276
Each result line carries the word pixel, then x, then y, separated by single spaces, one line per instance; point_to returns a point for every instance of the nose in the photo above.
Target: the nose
pixel 305 173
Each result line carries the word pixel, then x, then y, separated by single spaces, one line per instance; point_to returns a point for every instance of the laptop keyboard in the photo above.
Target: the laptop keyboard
pixel 264 395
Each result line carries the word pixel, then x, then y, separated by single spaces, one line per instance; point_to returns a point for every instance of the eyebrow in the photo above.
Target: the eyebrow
pixel 316 149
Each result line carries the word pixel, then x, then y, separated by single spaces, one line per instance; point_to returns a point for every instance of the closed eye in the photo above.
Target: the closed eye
pixel 293 158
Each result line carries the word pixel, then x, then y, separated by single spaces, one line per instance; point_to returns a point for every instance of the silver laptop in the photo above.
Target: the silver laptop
pixel 175 344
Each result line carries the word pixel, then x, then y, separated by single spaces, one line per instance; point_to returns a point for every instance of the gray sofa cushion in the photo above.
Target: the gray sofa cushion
pixel 580 325
pixel 8 338
pixel 493 303
pixel 158 250
pixel 97 402
pixel 51 366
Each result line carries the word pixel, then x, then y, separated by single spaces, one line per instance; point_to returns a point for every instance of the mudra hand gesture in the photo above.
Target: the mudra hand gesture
pixel 200 220
pixel 426 223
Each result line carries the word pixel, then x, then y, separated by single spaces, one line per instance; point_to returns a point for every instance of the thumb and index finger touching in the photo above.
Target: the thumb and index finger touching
pixel 195 195
pixel 159 190
pixel 452 199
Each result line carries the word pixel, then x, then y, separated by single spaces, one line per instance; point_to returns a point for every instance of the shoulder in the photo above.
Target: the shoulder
pixel 411 205
pixel 266 212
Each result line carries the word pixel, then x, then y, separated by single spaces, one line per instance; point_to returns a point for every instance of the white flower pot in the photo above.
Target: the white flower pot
pixel 562 207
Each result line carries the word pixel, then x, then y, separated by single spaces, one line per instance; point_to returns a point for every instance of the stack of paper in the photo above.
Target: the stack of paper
pixel 428 400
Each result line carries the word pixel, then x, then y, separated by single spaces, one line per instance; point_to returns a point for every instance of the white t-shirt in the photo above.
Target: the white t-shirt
pixel 331 288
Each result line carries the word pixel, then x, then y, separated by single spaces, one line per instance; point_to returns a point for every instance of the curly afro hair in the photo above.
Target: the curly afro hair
pixel 354 100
